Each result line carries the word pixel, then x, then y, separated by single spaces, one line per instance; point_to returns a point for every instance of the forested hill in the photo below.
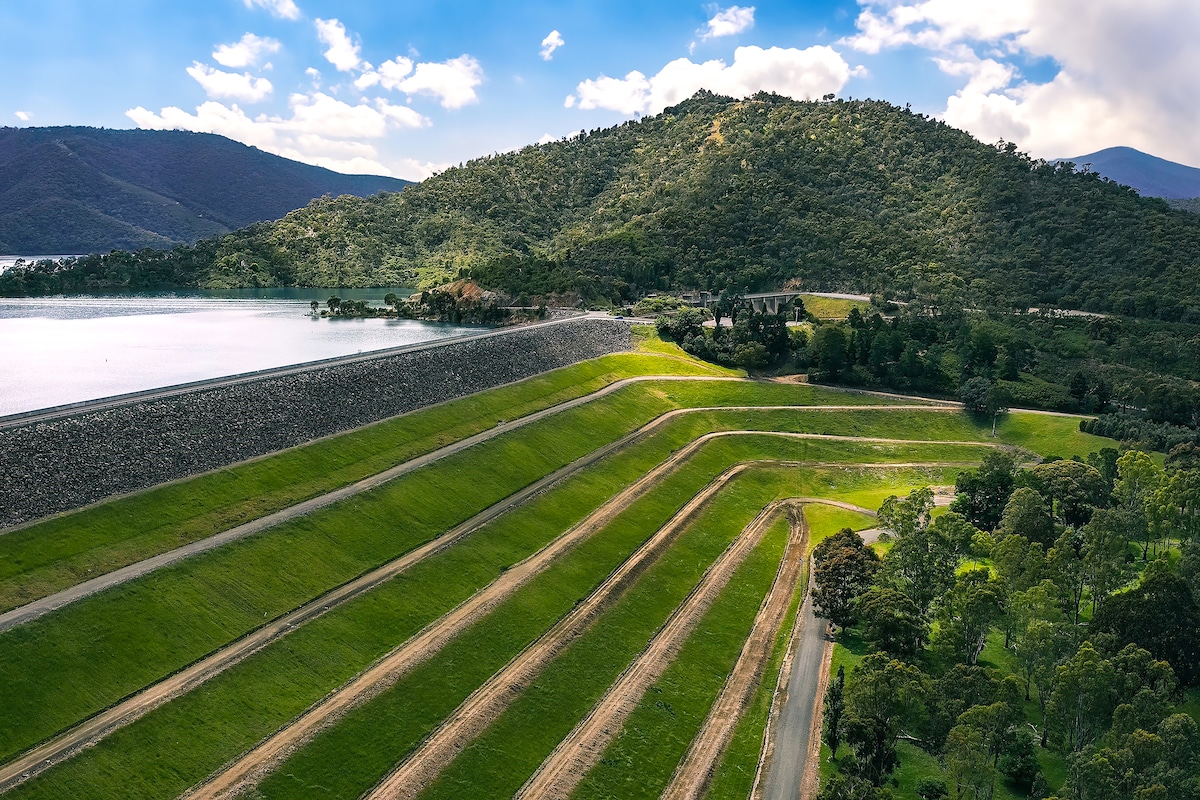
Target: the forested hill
pixel 717 193
pixel 84 190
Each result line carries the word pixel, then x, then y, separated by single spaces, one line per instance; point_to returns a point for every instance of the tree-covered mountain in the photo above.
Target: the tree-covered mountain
pixel 85 190
pixel 716 193
pixel 1150 175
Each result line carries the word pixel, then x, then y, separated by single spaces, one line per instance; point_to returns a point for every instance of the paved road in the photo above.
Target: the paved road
pixel 793 740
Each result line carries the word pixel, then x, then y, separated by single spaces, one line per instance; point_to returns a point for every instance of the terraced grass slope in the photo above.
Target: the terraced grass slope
pixel 320 655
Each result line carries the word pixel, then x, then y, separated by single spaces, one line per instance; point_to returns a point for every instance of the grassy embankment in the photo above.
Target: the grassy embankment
pixel 250 700
pixel 500 761
pixel 833 307
pixel 380 732
pixel 236 588
pixel 641 759
pixel 45 557
pixel 96 666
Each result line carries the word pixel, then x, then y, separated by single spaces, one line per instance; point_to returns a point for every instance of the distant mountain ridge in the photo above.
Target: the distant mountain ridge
pixel 1150 175
pixel 86 190
pixel 720 193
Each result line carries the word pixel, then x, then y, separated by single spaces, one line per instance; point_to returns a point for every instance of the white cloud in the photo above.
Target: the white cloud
pixel 1127 73
pixel 343 53
pixel 321 130
pixel 246 52
pixel 552 42
pixel 217 83
pixel 283 9
pixel 24 116
pixel 453 82
pixel 802 74
pixel 729 21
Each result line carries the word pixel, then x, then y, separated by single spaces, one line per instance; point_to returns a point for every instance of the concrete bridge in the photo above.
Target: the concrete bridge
pixel 770 302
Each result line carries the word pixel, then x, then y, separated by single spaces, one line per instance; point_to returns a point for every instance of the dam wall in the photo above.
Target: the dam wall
pixel 63 459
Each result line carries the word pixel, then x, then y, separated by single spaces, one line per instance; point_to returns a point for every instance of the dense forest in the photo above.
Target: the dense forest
pixel 85 190
pixel 719 193
pixel 1043 635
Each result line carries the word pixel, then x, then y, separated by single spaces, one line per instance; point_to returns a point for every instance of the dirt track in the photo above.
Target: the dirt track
pixel 562 771
pixel 258 762
pixel 695 771
pixel 490 700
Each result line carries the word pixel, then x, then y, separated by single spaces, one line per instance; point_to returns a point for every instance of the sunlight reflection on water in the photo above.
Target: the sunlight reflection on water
pixel 65 349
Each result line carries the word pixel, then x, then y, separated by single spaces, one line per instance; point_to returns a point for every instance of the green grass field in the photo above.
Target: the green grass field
pixel 68 665
pixel 832 307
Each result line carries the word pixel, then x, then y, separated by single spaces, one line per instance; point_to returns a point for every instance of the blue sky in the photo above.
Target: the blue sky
pixel 407 88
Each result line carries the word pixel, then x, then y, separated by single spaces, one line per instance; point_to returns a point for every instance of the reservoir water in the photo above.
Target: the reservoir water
pixel 59 350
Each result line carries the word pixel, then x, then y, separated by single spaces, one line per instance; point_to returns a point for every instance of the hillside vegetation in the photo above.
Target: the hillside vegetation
pixel 721 193
pixel 85 190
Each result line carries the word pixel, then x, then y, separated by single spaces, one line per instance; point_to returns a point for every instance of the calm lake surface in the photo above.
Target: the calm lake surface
pixel 60 350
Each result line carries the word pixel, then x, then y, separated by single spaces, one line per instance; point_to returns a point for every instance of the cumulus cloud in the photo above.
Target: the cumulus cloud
pixel 24 116
pixel 802 74
pixel 246 52
pixel 552 42
pixel 343 53
pixel 217 83
pixel 283 9
pixel 453 82
pixel 321 130
pixel 1127 74
pixel 729 22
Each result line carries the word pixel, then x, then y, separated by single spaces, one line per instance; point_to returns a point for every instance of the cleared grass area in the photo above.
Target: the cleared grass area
pixel 42 558
pixel 641 761
pixel 1049 435
pixel 832 307
pixel 827 520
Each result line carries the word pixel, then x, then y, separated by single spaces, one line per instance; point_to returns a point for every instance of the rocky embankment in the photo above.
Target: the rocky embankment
pixel 64 462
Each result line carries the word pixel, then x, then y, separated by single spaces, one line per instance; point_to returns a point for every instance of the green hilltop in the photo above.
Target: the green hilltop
pixel 716 193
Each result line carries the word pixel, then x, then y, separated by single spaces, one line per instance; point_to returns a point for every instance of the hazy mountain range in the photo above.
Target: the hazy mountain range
pixel 86 190
pixel 1150 175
